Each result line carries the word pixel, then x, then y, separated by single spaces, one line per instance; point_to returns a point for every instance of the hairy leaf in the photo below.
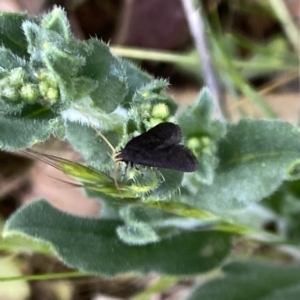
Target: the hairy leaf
pixel 17 134
pixel 107 70
pixel 92 245
pixel 202 133
pixel 11 33
pixel 254 161
pixel 92 146
pixel 252 280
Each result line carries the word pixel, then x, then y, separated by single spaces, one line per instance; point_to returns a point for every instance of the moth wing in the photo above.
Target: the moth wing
pixel 174 157
pixel 180 158
pixel 160 136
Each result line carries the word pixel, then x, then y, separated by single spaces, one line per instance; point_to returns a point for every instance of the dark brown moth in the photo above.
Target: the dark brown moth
pixel 159 147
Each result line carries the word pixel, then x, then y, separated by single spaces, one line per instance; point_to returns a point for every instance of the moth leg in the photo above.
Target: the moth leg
pixel 126 167
pixel 129 164
pixel 161 175
pixel 137 169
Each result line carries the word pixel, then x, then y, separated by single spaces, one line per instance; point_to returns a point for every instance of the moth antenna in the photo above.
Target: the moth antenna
pixel 99 133
pixel 104 138
pixel 114 155
pixel 110 146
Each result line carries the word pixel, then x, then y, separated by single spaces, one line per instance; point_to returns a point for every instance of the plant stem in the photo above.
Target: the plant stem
pixel 222 224
pixel 44 276
pixel 197 30
pixel 284 17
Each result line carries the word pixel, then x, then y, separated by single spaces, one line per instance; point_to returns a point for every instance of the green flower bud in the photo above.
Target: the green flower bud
pixel 43 88
pixel 52 94
pixel 206 141
pixel 45 77
pixel 29 92
pixel 207 145
pixel 194 144
pixel 160 111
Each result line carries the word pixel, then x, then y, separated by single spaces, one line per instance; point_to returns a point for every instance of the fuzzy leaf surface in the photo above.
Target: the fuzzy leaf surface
pixel 107 70
pixel 135 79
pixel 17 134
pixel 11 33
pixel 92 245
pixel 94 149
pixel 8 60
pixel 255 158
pixel 253 280
pixel 196 123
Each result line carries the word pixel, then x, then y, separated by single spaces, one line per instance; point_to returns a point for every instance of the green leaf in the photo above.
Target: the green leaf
pixel 37 111
pixel 11 33
pixel 170 182
pixel 138 233
pixel 57 21
pixel 92 245
pixel 255 157
pixel 146 225
pixel 202 133
pixel 6 107
pixel 57 58
pixel 252 280
pixel 140 223
pixel 285 202
pixel 197 118
pixel 107 70
pixel 16 133
pixel 9 60
pixel 64 65
pixel 135 79
pixel 94 149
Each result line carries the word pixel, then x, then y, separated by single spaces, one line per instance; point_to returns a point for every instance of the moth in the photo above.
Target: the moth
pixel 159 147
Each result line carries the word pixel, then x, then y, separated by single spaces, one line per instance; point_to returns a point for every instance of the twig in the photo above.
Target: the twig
pixel 197 30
